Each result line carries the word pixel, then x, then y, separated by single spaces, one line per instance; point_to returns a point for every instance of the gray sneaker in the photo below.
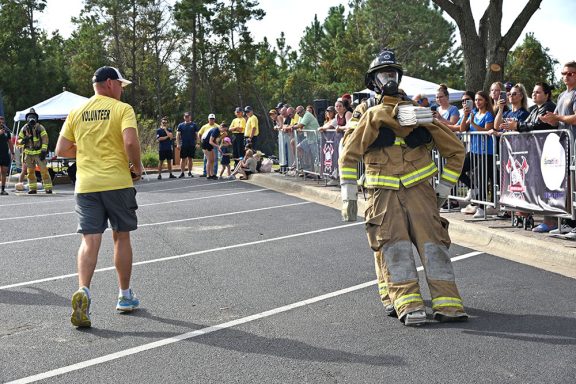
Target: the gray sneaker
pixel 564 228
pixel 571 235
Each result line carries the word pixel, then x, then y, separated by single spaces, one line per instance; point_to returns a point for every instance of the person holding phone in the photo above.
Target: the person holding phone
pixel 498 95
pixel 479 120
pixel 445 113
pixel 519 111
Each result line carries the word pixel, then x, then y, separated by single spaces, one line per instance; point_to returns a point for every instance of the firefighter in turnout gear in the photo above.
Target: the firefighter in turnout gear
pixel 34 141
pixel 403 205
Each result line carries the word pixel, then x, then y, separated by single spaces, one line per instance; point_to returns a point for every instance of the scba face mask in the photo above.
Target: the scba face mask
pixel 388 82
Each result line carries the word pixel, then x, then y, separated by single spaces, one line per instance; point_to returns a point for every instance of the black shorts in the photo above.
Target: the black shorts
pixel 207 146
pixel 165 154
pixel 187 152
pixel 4 160
pixel 95 209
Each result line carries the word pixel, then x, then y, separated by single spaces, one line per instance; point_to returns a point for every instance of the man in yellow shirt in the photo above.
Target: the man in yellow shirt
pixel 237 128
pixel 102 135
pixel 203 132
pixel 251 132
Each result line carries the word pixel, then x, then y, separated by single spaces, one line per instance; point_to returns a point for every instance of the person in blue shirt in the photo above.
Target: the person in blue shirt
pixel 518 99
pixel 186 135
pixel 211 148
pixel 164 139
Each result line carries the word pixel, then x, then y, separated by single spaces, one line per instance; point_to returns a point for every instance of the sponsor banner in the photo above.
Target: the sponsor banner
pixel 534 172
pixel 329 142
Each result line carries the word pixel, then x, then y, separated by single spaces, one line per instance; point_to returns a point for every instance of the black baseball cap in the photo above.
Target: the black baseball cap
pixel 238 109
pixel 105 73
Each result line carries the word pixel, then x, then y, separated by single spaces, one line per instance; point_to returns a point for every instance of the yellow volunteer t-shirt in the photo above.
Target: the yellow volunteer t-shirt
pixel 251 123
pixel 238 122
pixel 205 128
pixel 96 128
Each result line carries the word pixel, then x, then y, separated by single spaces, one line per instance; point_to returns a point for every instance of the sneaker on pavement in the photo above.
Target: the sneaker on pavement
pixel 469 209
pixel 159 177
pixel 479 213
pixel 190 174
pixel 3 192
pixel 48 191
pixel 415 318
pixel 181 175
pixel 231 177
pixel 171 176
pixel 390 310
pixel 564 229
pixel 470 195
pixel 571 235
pixel 32 192
pixel 81 308
pixel 332 183
pixel 127 304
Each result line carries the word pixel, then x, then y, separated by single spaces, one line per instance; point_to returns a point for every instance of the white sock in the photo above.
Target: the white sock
pixel 87 290
pixel 125 292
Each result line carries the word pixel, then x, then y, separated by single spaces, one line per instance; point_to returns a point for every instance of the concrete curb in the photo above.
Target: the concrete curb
pixel 539 253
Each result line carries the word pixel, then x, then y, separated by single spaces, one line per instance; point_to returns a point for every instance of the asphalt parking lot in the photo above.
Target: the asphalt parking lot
pixel 242 284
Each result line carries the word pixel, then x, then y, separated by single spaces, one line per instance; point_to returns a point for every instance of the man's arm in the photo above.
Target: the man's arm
pixel 65 147
pixel 132 149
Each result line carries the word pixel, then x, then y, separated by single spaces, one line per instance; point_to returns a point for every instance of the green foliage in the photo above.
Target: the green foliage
pixel 150 159
pixel 530 63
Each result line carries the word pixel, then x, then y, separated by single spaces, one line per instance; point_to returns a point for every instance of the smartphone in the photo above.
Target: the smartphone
pixel 469 104
pixel 503 95
pixel 433 108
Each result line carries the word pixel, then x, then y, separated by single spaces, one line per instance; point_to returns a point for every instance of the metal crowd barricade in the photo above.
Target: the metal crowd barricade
pixel 307 147
pixel 480 171
pixel 550 191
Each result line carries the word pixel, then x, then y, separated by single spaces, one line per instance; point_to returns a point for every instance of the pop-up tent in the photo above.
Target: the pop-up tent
pixel 55 108
pixel 413 86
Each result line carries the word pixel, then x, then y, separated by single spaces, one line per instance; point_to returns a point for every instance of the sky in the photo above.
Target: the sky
pixel 294 16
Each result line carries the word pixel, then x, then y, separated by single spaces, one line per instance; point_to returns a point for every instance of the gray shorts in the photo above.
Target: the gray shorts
pixel 95 209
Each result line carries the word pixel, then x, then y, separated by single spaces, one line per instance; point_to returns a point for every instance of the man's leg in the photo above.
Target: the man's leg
pixel 46 179
pixel 123 258
pixel 87 258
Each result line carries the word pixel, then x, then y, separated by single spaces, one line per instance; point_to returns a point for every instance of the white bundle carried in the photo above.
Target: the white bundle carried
pixel 409 115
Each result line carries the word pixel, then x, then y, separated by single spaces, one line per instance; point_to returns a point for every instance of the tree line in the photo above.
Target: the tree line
pixel 200 56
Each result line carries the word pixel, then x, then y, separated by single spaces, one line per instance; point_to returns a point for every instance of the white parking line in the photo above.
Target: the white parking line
pixel 25 283
pixel 140 205
pixel 203 331
pixel 164 222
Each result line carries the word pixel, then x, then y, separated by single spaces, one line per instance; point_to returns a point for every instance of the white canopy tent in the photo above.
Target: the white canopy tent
pixel 413 86
pixel 54 108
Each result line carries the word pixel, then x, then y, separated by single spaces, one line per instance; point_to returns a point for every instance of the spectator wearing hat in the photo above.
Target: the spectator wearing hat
pixel 211 149
pixel 252 130
pixel 34 139
pixel 226 151
pixel 164 138
pixel 186 135
pixel 202 134
pixel 237 128
pixel 246 166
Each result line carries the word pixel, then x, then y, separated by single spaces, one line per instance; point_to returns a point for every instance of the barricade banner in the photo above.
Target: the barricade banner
pixel 329 143
pixel 534 172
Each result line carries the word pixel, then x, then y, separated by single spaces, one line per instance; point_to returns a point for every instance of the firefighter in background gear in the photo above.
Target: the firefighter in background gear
pixel 349 209
pixel 402 207
pixel 34 140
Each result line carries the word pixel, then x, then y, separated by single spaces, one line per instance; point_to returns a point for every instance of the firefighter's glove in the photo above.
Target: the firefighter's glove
pixel 442 192
pixel 349 193
pixel 25 139
pixel 419 136
pixel 42 155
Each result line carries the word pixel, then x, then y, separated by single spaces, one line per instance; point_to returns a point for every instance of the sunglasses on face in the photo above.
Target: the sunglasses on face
pixel 514 94
pixel 567 74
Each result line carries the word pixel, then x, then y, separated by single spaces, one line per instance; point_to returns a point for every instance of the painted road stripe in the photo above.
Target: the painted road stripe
pixel 203 331
pixel 168 258
pixel 164 222
pixel 71 212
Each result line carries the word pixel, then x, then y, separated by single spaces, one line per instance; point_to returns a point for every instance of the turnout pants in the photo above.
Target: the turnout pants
pixel 31 161
pixel 396 219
